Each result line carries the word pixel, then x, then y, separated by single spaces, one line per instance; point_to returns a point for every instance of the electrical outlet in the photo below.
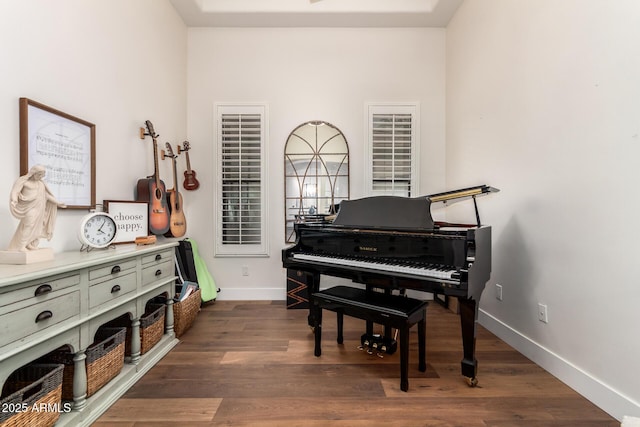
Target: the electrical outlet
pixel 245 270
pixel 542 313
pixel 498 292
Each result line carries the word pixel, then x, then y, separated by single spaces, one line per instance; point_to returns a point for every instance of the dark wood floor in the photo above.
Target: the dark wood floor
pixel 252 364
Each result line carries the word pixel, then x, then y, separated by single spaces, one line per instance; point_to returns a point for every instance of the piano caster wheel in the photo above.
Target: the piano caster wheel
pixel 471 382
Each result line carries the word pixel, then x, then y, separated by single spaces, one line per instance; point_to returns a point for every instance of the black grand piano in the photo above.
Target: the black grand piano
pixel 392 242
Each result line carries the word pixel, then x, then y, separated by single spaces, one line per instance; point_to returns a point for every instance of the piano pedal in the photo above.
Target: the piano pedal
pixel 380 355
pixel 379 343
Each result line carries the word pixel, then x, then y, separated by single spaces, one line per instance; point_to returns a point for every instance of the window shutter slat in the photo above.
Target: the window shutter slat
pixel 392 139
pixel 241 166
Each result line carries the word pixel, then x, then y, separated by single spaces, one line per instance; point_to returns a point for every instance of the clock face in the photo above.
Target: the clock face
pixel 98 230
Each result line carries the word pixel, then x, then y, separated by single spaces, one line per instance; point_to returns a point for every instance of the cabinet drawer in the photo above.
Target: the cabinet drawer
pixel 22 322
pixel 114 269
pixel 41 290
pixel 112 289
pixel 155 272
pixel 158 257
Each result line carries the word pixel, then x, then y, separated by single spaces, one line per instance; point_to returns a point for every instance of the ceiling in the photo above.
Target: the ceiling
pixel 316 13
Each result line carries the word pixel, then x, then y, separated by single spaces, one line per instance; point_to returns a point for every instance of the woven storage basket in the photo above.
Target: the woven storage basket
pixel 151 327
pixel 31 396
pixel 105 359
pixel 185 312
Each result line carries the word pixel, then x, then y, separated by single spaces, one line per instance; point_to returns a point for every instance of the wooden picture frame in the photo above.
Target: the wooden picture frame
pixel 66 146
pixel 132 219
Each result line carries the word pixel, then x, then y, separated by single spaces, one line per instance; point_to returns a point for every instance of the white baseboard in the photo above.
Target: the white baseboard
pixel 252 294
pixel 600 394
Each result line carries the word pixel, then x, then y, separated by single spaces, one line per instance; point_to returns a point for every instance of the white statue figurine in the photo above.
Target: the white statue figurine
pixel 35 206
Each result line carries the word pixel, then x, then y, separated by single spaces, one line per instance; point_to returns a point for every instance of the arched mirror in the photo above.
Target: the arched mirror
pixel 316 173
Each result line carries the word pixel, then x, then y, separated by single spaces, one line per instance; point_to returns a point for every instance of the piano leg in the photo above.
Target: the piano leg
pixel 468 316
pixel 313 286
pixel 316 313
pixel 404 358
pixel 422 345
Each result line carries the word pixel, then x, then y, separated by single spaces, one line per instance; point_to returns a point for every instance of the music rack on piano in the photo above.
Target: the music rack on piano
pixel 392 242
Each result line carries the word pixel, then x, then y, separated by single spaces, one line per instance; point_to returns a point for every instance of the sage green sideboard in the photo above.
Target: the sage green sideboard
pixel 46 305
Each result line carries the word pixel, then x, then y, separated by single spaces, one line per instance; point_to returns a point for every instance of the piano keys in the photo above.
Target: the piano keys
pixel 444 273
pixel 392 243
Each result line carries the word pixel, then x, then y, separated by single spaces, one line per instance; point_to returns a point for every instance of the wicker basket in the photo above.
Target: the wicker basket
pixel 105 359
pixel 151 327
pixel 185 312
pixel 36 386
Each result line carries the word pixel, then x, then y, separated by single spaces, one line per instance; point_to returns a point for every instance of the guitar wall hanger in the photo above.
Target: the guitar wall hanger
pixel 144 133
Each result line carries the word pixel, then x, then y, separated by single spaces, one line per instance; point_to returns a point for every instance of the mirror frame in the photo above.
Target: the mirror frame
pixel 301 205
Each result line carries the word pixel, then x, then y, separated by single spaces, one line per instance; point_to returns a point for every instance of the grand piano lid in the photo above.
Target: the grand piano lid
pixel 449 197
pixel 461 194
pixel 388 212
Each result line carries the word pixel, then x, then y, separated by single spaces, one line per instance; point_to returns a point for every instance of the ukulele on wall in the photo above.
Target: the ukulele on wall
pixel 177 220
pixel 190 180
pixel 153 191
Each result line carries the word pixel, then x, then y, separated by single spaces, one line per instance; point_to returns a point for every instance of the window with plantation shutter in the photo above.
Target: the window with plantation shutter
pixel 392 136
pixel 241 172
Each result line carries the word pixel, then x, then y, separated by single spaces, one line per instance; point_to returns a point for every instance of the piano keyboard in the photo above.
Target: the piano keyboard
pixel 433 272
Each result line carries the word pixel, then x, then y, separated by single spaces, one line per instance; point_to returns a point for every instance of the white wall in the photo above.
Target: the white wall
pixel 304 74
pixel 113 63
pixel 543 102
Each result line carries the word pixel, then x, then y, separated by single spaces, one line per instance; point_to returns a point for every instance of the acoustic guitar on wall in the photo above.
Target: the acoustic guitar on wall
pixel 190 180
pixel 177 220
pixel 153 191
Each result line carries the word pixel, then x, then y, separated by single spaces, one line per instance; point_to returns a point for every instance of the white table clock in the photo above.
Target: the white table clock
pixel 97 230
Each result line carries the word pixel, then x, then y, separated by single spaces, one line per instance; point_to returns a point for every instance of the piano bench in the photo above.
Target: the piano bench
pixel 392 311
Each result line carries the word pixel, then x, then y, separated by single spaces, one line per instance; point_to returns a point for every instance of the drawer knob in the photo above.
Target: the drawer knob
pixel 116 288
pixel 43 289
pixel 115 269
pixel 158 257
pixel 44 316
pixel 158 273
